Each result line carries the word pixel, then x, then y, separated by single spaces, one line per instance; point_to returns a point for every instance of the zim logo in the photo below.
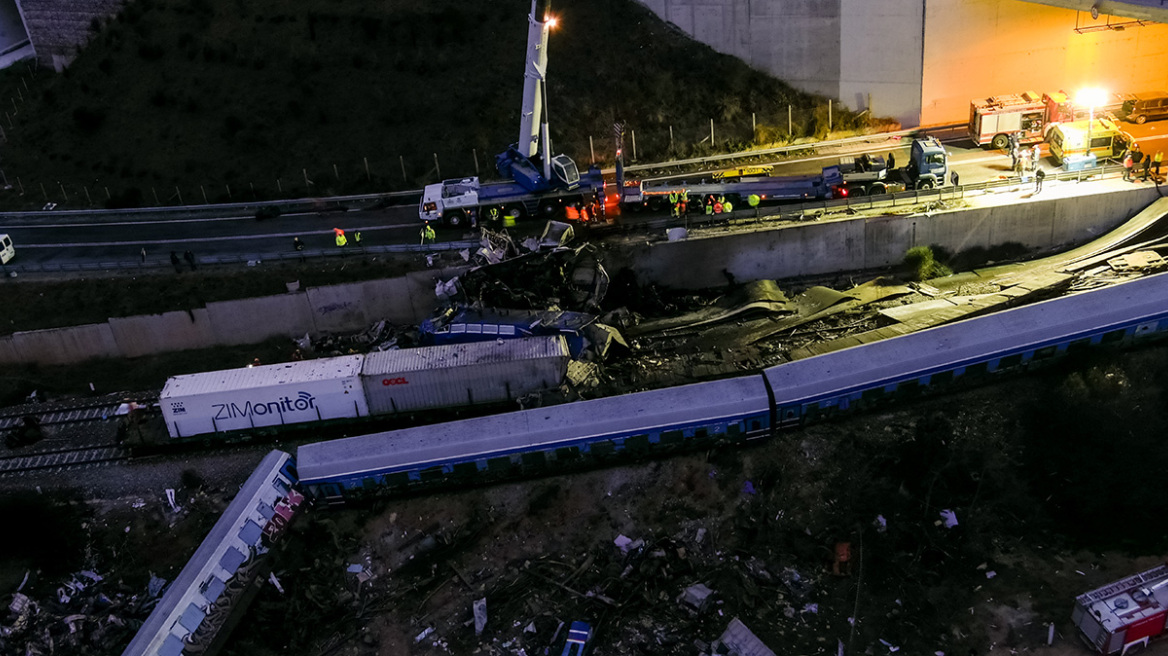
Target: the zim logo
pixel 177 408
pixel 394 381
pixel 303 401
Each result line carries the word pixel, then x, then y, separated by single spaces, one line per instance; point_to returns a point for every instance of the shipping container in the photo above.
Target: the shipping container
pixel 462 374
pixel 264 396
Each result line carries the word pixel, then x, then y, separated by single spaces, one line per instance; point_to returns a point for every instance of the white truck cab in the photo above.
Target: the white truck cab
pixel 7 252
pixel 446 196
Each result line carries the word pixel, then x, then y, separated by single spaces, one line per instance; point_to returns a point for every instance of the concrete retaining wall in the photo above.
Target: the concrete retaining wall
pixel 824 248
pixel 339 308
pixel 161 333
pixel 252 320
pixel 65 345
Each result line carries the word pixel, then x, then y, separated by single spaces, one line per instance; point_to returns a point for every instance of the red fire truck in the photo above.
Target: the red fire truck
pixel 992 120
pixel 1124 615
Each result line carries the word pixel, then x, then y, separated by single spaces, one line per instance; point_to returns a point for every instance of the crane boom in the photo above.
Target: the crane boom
pixel 533 127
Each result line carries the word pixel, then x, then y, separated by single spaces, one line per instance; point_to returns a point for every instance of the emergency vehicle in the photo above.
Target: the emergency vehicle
pixel 993 120
pixel 1070 139
pixel 1124 615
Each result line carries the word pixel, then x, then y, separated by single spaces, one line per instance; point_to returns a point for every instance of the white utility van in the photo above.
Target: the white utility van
pixel 7 252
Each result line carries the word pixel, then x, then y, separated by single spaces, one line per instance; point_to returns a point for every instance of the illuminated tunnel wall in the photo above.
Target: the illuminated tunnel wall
pixel 921 61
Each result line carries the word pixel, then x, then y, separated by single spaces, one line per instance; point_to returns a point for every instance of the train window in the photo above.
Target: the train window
pixel 941 378
pixel 534 460
pixel 603 448
pixel 733 430
pixel 755 425
pixel 790 415
pixel 369 483
pixel 1079 346
pixel 432 474
pixel 499 464
pixel 1044 353
pixel 397 479
pixel 671 437
pixel 637 442
pixel 280 485
pixel 1010 361
pixel 700 433
pixel 975 371
pixel 567 453
pixel 465 469
pixel 873 394
pixel 908 388
pixel 1113 336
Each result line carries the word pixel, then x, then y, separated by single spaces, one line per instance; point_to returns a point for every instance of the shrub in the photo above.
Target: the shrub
pixel 922 265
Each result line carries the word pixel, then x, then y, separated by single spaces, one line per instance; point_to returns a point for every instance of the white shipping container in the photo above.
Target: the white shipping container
pixel 462 374
pixel 270 395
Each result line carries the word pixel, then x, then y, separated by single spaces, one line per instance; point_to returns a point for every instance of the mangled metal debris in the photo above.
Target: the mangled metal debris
pixel 737 640
pixel 697 597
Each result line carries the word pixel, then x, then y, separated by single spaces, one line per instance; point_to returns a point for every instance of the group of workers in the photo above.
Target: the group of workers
pixel 1135 159
pixel 679 203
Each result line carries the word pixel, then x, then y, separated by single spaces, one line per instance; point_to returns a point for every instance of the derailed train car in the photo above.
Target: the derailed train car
pixel 739 409
pixel 271 398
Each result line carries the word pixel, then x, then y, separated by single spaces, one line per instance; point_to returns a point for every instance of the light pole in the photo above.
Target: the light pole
pixel 1092 98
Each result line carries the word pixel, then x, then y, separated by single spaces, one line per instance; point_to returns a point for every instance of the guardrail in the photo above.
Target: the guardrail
pixel 248 259
pixel 249 209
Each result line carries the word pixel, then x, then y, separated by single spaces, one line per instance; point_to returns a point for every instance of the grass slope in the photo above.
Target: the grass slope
pixel 242 94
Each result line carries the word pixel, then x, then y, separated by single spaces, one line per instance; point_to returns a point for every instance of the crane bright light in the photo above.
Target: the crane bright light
pixel 552 22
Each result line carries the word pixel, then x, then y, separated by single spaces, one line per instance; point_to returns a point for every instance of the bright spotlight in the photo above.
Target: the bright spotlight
pixel 1092 97
pixel 552 21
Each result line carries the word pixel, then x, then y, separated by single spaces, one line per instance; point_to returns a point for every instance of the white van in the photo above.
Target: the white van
pixel 7 252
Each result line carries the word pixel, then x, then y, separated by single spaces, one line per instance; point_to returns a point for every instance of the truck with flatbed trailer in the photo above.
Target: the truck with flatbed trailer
pixel 928 167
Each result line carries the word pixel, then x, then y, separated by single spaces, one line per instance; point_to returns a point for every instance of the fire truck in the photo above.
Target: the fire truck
pixel 993 120
pixel 1124 615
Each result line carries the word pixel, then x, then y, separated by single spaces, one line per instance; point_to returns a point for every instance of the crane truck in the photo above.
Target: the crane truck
pixel 536 183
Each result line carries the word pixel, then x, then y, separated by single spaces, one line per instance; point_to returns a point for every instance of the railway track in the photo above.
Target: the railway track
pixel 62 458
pixel 12 418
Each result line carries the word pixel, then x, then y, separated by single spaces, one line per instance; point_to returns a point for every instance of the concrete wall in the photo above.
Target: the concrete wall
pixel 829 247
pixel 64 345
pixel 339 308
pixel 797 41
pixel 250 321
pixel 160 333
pixel 880 57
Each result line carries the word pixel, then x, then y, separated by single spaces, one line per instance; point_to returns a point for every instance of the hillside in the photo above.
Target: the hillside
pixel 203 95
